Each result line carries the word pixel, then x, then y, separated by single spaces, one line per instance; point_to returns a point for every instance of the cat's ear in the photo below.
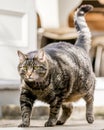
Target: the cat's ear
pixel 41 55
pixel 22 56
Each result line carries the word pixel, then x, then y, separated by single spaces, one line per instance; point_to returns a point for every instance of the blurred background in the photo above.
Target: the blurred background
pixel 28 25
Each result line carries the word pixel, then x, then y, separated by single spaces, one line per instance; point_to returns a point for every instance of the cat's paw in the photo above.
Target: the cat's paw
pixel 90 119
pixel 49 124
pixel 23 125
pixel 59 122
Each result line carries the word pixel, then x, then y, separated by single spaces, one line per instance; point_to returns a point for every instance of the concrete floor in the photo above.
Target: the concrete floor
pixel 39 125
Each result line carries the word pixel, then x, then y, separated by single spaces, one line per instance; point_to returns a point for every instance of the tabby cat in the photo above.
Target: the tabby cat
pixel 59 74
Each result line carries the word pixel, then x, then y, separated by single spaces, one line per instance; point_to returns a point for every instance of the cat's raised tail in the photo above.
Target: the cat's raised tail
pixel 84 38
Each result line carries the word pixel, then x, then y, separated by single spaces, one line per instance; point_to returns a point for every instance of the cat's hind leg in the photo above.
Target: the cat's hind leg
pixel 66 112
pixel 89 108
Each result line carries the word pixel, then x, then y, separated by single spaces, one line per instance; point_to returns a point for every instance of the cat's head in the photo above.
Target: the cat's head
pixel 33 66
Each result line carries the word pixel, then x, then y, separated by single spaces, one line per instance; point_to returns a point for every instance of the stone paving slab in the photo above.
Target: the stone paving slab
pixel 39 125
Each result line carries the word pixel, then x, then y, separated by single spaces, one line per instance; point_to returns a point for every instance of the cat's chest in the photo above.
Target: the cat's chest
pixel 39 93
pixel 44 95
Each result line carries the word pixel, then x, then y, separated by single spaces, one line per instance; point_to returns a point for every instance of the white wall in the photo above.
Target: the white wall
pixel 17 31
pixel 54 13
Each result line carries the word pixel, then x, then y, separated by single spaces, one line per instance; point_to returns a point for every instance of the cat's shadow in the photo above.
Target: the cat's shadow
pixel 66 125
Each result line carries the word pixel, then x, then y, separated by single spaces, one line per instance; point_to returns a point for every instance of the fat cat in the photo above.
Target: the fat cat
pixel 59 74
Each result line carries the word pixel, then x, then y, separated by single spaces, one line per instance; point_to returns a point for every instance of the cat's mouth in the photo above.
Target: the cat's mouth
pixel 29 79
pixel 33 80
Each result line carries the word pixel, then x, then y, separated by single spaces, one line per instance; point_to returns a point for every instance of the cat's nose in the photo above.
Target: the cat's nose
pixel 29 73
pixel 28 76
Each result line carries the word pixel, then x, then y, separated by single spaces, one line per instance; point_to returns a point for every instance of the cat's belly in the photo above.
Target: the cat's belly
pixel 74 97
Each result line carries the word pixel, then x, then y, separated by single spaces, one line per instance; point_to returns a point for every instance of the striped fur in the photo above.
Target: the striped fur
pixel 84 39
pixel 66 77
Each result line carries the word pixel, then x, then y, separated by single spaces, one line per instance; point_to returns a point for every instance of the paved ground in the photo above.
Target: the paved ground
pixel 39 125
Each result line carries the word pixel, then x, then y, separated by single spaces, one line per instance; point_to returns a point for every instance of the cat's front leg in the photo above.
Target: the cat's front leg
pixel 26 102
pixel 54 111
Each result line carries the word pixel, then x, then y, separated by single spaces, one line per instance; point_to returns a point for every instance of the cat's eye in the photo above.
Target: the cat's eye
pixel 25 67
pixel 36 67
